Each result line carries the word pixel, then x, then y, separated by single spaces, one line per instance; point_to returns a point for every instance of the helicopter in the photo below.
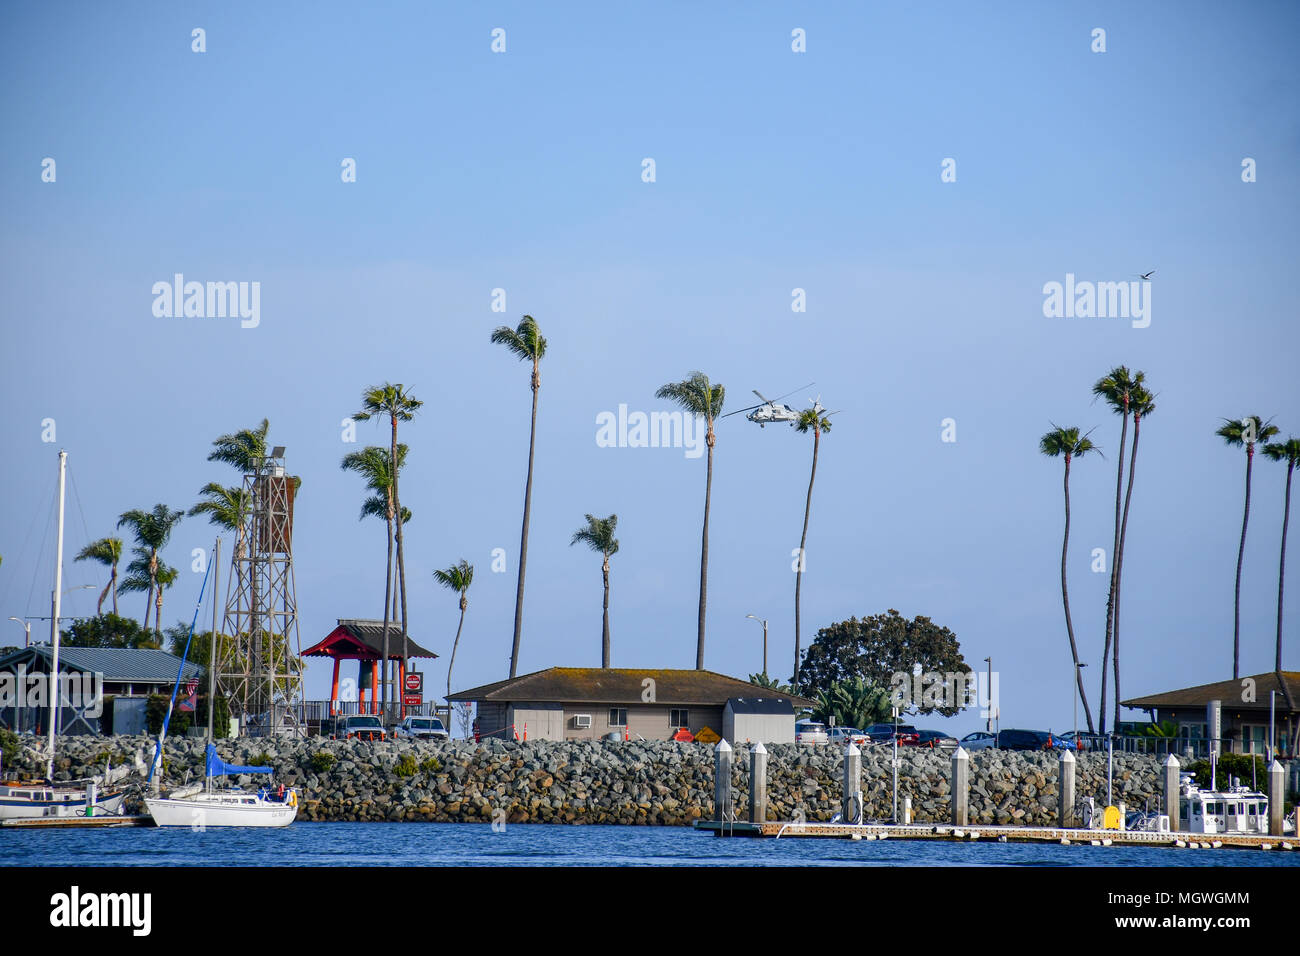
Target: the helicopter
pixel 772 410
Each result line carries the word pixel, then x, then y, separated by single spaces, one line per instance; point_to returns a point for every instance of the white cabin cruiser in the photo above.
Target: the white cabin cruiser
pixel 1232 809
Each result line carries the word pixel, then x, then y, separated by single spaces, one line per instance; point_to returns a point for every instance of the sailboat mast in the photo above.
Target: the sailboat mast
pixel 212 643
pixel 57 602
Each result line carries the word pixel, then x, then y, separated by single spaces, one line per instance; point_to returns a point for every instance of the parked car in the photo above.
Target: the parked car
pixel 810 732
pixel 1023 740
pixel 936 740
pixel 979 740
pixel 420 728
pixel 908 736
pixel 843 735
pixel 357 727
pixel 1080 740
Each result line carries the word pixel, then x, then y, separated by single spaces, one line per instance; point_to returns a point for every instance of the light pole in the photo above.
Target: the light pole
pixel 762 621
pixel 989 726
pixel 27 626
pixel 1075 695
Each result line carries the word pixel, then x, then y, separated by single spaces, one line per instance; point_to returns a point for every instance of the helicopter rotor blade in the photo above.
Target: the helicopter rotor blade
pixel 792 391
pixel 766 401
pixel 739 411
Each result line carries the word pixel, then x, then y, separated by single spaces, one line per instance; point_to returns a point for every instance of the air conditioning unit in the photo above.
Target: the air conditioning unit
pixel 582 721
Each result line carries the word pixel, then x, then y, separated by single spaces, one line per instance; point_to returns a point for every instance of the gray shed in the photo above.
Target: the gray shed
pixel 769 720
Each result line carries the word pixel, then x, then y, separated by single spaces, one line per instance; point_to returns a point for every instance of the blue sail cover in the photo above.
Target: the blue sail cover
pixel 217 768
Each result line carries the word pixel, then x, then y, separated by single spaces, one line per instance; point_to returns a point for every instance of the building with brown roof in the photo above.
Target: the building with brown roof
pixel 587 703
pixel 1242 706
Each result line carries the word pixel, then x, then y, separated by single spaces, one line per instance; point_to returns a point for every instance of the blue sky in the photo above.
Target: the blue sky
pixel 775 170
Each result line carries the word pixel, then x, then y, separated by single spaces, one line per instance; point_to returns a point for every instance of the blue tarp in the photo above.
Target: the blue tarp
pixel 217 768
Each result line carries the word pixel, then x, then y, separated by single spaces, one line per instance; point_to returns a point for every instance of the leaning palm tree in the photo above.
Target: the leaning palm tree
pixel 374 464
pixel 1244 432
pixel 1069 443
pixel 527 344
pixel 1141 405
pixel 152 530
pixel 1289 452
pixel 457 578
pixel 810 420
pixel 398 405
pixel 696 396
pixel 1115 387
pixel 165 576
pixel 243 450
pixel 599 536
pixel 108 552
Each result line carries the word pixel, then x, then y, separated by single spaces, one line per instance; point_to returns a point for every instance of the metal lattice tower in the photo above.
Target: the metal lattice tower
pixel 260 666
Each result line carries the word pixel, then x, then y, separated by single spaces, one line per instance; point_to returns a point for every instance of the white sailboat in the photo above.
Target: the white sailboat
pixel 202 806
pixel 34 801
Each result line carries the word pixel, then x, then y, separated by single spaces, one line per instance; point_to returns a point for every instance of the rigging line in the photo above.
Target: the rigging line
pixel 22 552
pixel 76 496
pixel 36 565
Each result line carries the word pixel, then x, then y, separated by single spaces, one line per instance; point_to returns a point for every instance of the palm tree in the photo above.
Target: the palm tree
pixel 526 343
pixel 137 578
pixel 399 405
pixel 244 449
pixel 1141 404
pixel 1289 452
pixel 152 529
pixel 696 396
pixel 457 578
pixel 1243 433
pixel 1069 443
pixel 599 536
pixel 166 576
pixel 810 420
pixel 108 552
pixel 1115 387
pixel 374 464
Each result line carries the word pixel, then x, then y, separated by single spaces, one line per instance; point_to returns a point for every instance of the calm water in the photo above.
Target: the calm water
pixel 466 844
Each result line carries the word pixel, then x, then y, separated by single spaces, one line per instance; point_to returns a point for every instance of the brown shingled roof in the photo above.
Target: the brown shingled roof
pixel 600 685
pixel 1228 691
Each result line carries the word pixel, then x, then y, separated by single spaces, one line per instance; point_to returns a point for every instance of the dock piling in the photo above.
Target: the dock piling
pixel 852 800
pixel 1169 769
pixel 722 781
pixel 1276 795
pixel 960 787
pixel 758 783
pixel 1065 807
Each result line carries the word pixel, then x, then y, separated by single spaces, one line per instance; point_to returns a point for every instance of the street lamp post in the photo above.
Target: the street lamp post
pixel 27 627
pixel 762 621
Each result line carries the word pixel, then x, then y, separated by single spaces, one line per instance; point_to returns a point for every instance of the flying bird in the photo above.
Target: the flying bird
pixel 1146 276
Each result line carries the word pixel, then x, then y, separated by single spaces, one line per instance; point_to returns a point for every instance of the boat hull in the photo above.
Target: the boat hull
pixel 36 803
pixel 206 810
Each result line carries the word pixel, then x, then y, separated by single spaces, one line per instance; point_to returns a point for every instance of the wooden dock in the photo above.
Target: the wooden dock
pixel 108 820
pixel 997 834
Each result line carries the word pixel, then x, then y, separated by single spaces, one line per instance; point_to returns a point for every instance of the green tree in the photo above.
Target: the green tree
pixel 599 536
pixel 456 578
pixel 107 630
pixel 695 395
pixel 771 683
pixel 527 344
pixel 396 404
pixel 1068 443
pixel 242 450
pixel 152 530
pixel 879 647
pixel 855 702
pixel 1289 452
pixel 1116 388
pixel 108 552
pixel 1141 405
pixel 810 420
pixel 1243 433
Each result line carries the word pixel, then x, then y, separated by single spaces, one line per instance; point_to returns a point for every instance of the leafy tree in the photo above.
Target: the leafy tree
pixel 456 578
pixel 876 648
pixel 1068 443
pixel 1243 433
pixel 1289 452
pixel 771 683
pixel 107 630
pixel 108 552
pixel 853 703
pixel 527 344
pixel 696 395
pixel 599 536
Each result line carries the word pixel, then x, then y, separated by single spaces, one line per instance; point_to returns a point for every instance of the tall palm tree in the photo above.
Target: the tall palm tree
pixel 243 450
pixel 810 420
pixel 696 396
pixel 138 578
pixel 599 536
pixel 527 344
pixel 108 552
pixel 166 576
pixel 1244 432
pixel 398 405
pixel 1141 404
pixel 1289 452
pixel 152 530
pixel 1069 443
pixel 457 578
pixel 1116 387
pixel 374 464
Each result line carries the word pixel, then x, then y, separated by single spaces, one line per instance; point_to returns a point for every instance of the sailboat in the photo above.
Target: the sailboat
pixel 200 806
pixel 34 801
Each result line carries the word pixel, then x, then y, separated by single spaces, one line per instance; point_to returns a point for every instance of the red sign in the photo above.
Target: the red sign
pixel 415 682
pixel 412 700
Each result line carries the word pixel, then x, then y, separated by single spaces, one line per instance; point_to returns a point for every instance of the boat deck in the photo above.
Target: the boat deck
pixel 107 820
pixel 997 834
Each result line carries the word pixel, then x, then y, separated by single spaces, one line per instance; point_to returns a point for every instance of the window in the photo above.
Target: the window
pixel 618 716
pixel 677 719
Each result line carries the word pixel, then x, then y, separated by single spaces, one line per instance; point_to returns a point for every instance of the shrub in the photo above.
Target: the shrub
pixel 263 760
pixel 1231 765
pixel 322 761
pixel 405 766
pixel 431 765
pixel 9 747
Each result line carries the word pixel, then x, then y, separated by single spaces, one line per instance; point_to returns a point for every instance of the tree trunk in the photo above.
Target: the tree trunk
pixel 388 589
pixel 1119 556
pixel 604 654
pixel 1065 598
pixel 1281 568
pixel 1241 553
pixel 523 535
pixel 704 553
pixel 157 617
pixel 455 644
pixel 1110 598
pixel 798 574
pixel 113 582
pixel 99 608
pixel 401 551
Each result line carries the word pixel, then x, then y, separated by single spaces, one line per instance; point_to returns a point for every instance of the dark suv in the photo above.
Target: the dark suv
pixel 908 735
pixel 1023 740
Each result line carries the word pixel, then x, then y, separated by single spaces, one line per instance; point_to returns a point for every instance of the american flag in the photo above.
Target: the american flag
pixel 191 697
